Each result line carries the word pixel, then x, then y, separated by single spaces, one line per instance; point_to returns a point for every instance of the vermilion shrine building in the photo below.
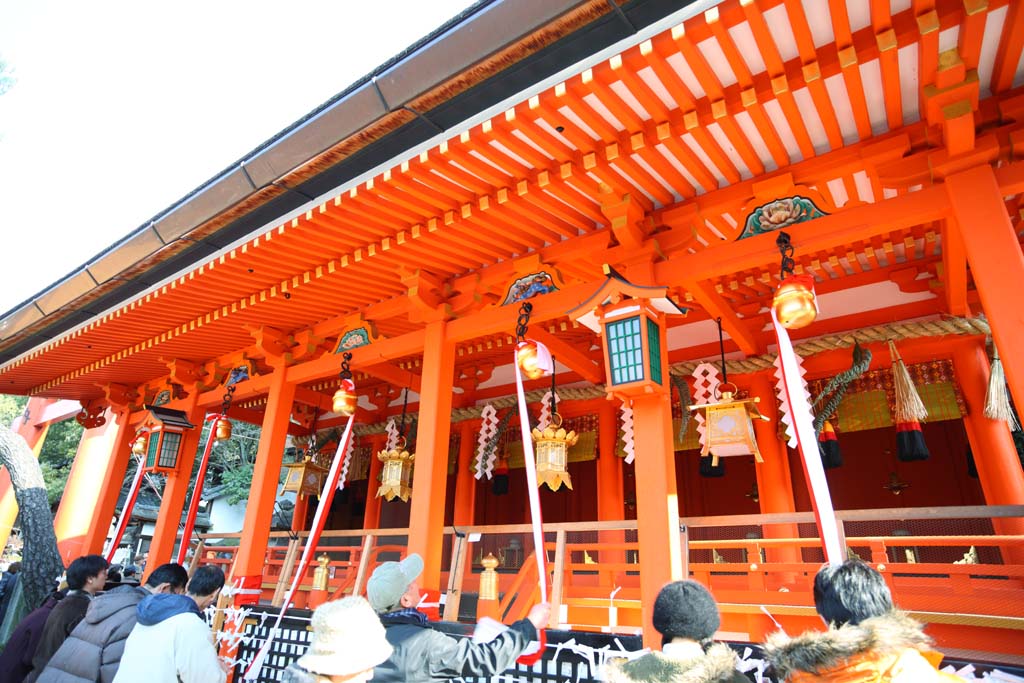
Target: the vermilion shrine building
pixel 507 158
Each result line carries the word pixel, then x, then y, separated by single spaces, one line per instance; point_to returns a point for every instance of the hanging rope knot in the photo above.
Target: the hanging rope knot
pixel 346 371
pixel 786 249
pixel 523 321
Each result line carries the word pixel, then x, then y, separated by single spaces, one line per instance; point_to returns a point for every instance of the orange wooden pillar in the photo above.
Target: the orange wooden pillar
pixel 465 482
pixel 74 517
pixel 611 502
pixel 371 514
pixel 34 435
pixel 299 512
pixel 110 486
pixel 426 517
pixel 774 482
pixel 172 504
pixel 247 571
pixel 999 468
pixel 997 264
pixel 657 511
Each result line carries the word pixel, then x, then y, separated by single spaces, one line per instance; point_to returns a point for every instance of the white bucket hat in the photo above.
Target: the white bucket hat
pixel 347 638
pixel 390 580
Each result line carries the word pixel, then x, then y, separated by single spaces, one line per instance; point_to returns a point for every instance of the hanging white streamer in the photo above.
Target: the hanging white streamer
pixel 344 465
pixel 628 445
pixel 795 391
pixel 785 411
pixel 536 523
pixel 705 382
pixel 488 428
pixel 545 410
pixel 392 431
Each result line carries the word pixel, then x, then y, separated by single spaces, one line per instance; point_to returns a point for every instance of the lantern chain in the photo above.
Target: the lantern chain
pixel 523 321
pixel 786 249
pixel 554 404
pixel 229 394
pixel 721 352
pixel 346 371
pixel 405 407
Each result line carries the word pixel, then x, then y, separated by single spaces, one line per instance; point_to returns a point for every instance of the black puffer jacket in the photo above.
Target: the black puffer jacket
pixel 422 654
pixel 93 650
pixel 718 665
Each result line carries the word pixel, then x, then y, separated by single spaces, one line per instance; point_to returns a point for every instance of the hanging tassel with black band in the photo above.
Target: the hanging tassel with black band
pixel 710 470
pixel 909 411
pixel 828 444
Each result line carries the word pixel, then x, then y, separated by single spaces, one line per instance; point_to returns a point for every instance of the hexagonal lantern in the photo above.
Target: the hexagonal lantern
pixel 163 430
pixel 631 320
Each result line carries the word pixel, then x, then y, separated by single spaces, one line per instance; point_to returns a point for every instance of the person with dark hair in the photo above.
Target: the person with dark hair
pixel 86 577
pixel 113 577
pixel 867 639
pixel 7 582
pixel 93 650
pixel 686 616
pixel 16 658
pixel 171 642
pixel 422 654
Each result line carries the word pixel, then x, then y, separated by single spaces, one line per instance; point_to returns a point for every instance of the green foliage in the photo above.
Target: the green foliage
pixel 231 462
pixel 7 79
pixel 57 456
pixel 11 407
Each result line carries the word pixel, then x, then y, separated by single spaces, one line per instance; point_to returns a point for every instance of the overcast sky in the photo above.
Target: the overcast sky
pixel 122 107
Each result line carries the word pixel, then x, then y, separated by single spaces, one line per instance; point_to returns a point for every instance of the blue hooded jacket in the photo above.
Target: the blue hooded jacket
pixel 156 608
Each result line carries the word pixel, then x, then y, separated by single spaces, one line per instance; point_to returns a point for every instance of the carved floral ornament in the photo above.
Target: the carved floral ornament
pixel 779 214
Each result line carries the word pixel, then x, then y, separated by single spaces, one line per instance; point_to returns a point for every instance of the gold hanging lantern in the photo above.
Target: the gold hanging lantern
pixel 396 475
pixel 728 429
pixel 552 446
pixel 794 303
pixel 139 446
pixel 305 477
pixel 345 398
pixel 223 427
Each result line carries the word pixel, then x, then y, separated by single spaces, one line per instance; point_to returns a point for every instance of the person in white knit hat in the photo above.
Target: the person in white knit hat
pixel 348 642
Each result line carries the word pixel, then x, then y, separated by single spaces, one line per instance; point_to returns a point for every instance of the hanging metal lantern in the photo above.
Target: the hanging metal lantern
pixel 305 477
pixel 139 446
pixel 223 427
pixel 552 446
pixel 345 398
pixel 794 303
pixel 728 429
pixel 396 475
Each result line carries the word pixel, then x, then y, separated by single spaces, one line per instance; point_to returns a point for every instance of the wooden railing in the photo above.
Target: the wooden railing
pixel 594 570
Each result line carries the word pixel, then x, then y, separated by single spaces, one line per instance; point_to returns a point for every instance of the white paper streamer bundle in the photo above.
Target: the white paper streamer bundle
pixel 488 428
pixel 626 415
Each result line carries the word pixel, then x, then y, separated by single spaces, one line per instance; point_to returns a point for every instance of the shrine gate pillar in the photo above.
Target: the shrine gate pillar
pixel 111 478
pixel 657 503
pixel 774 482
pixel 426 518
pixel 611 504
pixel 999 468
pixel 34 434
pixel 172 504
pixel 247 572
pixel 465 482
pixel 96 451
pixel 997 264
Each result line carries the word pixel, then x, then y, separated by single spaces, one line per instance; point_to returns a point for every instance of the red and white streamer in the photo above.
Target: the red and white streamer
pixel 536 523
pixel 339 464
pixel 126 511
pixel 197 490
pixel 797 406
pixel 392 431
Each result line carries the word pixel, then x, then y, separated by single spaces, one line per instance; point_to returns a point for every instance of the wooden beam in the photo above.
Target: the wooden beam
pixel 954 268
pixel 393 375
pixel 717 307
pixel 570 356
pixel 312 398
pixel 1011 43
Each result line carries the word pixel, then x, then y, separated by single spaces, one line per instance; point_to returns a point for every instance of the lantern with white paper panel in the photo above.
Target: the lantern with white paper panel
pixel 632 321
pixel 728 425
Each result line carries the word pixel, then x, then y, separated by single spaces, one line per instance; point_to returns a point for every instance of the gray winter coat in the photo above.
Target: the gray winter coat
pixel 423 655
pixel 718 665
pixel 93 650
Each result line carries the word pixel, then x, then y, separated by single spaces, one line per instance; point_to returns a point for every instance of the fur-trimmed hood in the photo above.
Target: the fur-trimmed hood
pixel 817 652
pixel 718 665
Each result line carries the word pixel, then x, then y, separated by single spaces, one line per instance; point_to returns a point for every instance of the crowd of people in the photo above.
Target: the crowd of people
pixel 104 627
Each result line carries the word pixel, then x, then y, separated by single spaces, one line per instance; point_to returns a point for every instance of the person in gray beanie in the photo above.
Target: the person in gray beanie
pixel 686 616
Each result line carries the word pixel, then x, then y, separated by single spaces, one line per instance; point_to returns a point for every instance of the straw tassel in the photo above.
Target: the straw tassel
pixel 997 399
pixel 828 444
pixel 908 413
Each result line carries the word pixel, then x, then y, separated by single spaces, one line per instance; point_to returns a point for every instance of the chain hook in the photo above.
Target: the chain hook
pixel 229 394
pixel 346 371
pixel 786 249
pixel 523 321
